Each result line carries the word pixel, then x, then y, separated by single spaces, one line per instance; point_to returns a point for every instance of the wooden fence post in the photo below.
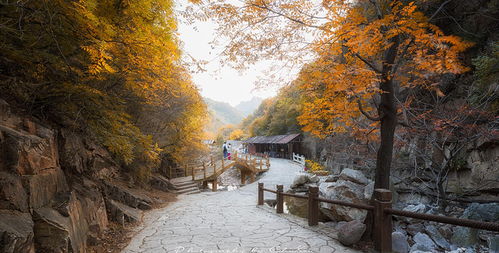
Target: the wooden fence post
pixel 382 227
pixel 260 194
pixel 280 199
pixel 214 185
pixel 243 177
pixel 204 170
pixel 192 170
pixel 313 206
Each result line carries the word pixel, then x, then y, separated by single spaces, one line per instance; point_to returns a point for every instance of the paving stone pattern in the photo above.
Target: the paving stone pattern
pixel 230 222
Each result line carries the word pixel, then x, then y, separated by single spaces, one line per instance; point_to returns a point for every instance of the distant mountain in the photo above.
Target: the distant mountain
pixel 222 113
pixel 248 107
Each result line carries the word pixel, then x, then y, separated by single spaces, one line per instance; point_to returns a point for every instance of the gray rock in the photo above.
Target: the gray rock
pixel 437 237
pixel 44 187
pixel 493 244
pixel 345 191
pixel 16 232
pixel 12 194
pixel 420 208
pixel 161 183
pixel 351 232
pixel 332 178
pixel 122 213
pixel 399 243
pixel 464 237
pixel 56 233
pixel 423 242
pixel 354 176
pixel 300 180
pixel 314 179
pixel 128 196
pixel 415 228
pixel 369 190
pixel 482 212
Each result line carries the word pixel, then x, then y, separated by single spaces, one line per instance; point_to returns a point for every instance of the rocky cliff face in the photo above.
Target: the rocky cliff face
pixel 58 191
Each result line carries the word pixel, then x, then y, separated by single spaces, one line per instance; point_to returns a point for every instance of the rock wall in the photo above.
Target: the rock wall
pixel 481 170
pixel 54 187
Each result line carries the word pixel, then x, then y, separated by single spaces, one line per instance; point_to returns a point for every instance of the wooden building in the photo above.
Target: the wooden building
pixel 278 146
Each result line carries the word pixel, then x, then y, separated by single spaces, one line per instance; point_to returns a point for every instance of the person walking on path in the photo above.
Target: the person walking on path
pixel 225 149
pixel 229 150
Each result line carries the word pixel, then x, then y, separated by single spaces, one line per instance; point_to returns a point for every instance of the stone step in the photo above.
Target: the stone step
pixel 188 190
pixel 192 192
pixel 187 186
pixel 180 180
pixel 183 184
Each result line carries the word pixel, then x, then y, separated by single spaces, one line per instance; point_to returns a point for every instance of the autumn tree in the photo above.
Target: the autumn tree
pixel 108 69
pixel 366 52
pixel 236 134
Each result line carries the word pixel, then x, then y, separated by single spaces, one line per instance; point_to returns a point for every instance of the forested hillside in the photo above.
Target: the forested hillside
pixel 277 115
pixel 109 70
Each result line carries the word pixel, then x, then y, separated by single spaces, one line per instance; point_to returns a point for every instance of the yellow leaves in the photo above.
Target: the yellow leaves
pixel 237 134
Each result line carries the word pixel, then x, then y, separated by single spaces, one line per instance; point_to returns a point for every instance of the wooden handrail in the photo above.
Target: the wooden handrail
pixel 382 213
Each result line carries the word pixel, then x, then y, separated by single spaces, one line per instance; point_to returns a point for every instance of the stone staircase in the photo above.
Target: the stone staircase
pixel 185 185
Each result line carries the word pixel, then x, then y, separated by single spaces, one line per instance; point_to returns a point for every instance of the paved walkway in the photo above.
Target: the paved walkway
pixel 230 222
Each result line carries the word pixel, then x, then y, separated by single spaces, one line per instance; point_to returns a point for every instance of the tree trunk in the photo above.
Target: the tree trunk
pixel 388 110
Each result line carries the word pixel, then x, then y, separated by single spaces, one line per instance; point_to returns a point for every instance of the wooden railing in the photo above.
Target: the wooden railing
pixel 382 213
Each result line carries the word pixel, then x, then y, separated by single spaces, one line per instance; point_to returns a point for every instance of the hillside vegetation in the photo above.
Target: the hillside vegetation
pixel 107 69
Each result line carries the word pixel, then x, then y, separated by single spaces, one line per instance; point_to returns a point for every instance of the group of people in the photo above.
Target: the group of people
pixel 226 150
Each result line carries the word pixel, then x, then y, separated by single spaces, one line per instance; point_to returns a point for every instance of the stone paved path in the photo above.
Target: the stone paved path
pixel 230 222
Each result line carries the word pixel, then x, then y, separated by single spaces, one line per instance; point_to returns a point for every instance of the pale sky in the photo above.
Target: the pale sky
pixel 223 84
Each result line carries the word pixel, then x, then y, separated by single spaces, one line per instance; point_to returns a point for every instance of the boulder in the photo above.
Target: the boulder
pixel 16 232
pixel 399 243
pixel 302 179
pixel 127 196
pixel 482 212
pixel 299 179
pixel 369 190
pixel 28 154
pixel 56 233
pixel 78 155
pixel 354 176
pixel 415 228
pixel 435 235
pixel 423 242
pixel 43 187
pixel 314 179
pixel 12 194
pixel 420 208
pixel 332 178
pixel 493 244
pixel 464 236
pixel 121 213
pixel 481 170
pixel 345 191
pixel 93 206
pixel 351 232
pixel 161 183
